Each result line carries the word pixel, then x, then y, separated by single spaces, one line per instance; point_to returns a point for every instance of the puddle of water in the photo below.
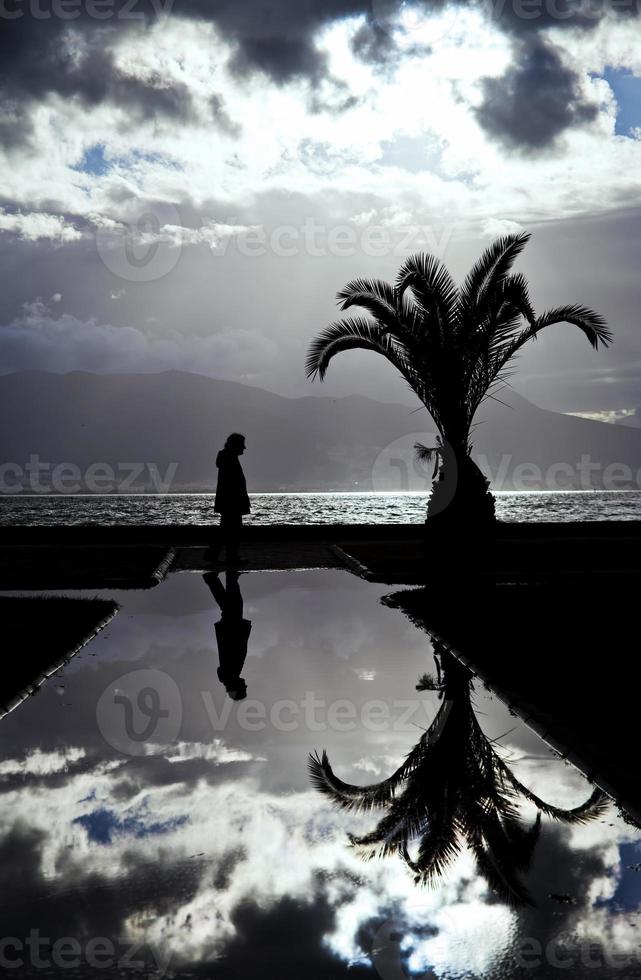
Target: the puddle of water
pixel 152 825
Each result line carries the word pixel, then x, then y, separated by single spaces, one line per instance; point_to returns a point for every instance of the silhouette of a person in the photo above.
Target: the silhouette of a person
pixel 232 500
pixel 232 633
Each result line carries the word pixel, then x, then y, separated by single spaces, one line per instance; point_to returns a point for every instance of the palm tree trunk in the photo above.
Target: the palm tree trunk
pixel 461 500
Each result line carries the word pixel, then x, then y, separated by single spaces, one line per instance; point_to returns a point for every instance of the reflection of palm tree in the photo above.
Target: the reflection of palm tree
pixel 453 789
pixel 452 346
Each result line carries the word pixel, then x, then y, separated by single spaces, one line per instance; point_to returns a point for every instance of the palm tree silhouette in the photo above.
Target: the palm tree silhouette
pixel 452 345
pixel 453 789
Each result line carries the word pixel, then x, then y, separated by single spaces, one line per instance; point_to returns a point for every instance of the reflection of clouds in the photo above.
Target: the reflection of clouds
pixel 216 752
pixel 284 846
pixel 583 862
pixel 471 936
pixel 220 837
pixel 38 763
pixel 269 847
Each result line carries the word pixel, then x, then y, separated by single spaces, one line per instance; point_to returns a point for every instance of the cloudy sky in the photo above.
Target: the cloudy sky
pixel 187 185
pixel 209 844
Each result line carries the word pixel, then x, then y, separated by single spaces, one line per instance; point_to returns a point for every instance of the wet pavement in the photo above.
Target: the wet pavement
pixel 154 826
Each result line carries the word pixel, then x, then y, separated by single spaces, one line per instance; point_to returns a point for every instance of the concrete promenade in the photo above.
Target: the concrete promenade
pixel 132 556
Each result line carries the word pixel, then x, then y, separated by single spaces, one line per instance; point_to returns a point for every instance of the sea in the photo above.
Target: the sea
pixel 308 508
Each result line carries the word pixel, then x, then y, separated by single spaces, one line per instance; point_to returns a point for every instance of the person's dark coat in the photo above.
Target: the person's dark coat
pixel 232 638
pixel 231 489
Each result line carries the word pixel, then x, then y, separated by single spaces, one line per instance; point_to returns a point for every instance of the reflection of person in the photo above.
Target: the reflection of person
pixel 232 633
pixel 232 500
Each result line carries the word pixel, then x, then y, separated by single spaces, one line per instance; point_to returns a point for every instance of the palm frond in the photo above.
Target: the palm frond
pixel 400 825
pixel 502 879
pixel 592 324
pixel 347 795
pixel 373 295
pixel 425 454
pixel 493 266
pixel 434 290
pixel 428 682
pixel 452 347
pixel 453 790
pixel 377 288
pixel 438 848
pixel 351 334
pixel 523 841
pixel 595 806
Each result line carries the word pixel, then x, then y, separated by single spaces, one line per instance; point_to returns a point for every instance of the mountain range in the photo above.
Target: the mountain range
pixel 176 421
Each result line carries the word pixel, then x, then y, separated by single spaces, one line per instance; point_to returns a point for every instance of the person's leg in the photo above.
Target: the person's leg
pixel 233 597
pixel 233 526
pixel 215 542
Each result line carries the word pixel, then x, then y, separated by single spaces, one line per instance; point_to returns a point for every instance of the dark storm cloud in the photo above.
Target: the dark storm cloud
pixel 43 57
pixel 523 18
pixel 536 100
pixel 72 55
pixel 81 904
pixel 555 927
pixel 14 130
pixel 44 52
pixel 288 939
pixel 280 58
pixel 372 44
pixel 281 941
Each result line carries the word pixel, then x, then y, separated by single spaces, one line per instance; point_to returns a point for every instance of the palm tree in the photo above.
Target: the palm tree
pixel 453 346
pixel 453 789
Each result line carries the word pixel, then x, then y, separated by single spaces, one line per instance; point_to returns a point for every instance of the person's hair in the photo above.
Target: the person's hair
pixel 234 440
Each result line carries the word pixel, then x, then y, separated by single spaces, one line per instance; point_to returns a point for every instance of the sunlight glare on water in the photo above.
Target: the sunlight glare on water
pixel 310 508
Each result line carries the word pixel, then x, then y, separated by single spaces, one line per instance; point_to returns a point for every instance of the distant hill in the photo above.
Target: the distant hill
pixel 179 420
pixel 633 421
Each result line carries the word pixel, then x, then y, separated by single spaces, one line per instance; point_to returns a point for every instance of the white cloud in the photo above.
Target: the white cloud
pixel 493 227
pixel 39 340
pixel 607 415
pixel 378 765
pixel 211 233
pixel 40 226
pixel 466 177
